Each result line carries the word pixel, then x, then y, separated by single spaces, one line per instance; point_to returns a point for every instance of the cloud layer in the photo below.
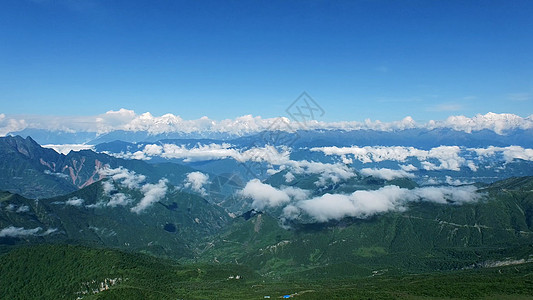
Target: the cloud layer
pixel 438 158
pixel 360 204
pixel 447 156
pixel 128 120
pixel 269 155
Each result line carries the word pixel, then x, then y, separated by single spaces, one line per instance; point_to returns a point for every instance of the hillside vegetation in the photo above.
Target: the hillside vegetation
pixel 74 272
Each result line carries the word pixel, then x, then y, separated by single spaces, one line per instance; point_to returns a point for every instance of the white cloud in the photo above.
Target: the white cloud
pixel 60 175
pixel 8 125
pixel 449 180
pixel 296 193
pixel 346 160
pixel 152 194
pixel 362 204
pixel 289 177
pixel 291 212
pixel 444 195
pixel 108 187
pixel 265 195
pixel 196 182
pixel 139 155
pixel 328 172
pixel 516 152
pixel 270 155
pixel 12 231
pixel 75 201
pixel 498 123
pixel 153 150
pixel 471 165
pixel 197 153
pixel 129 179
pixel 387 174
pixel 128 120
pixel 448 156
pixel 509 153
pixel 13 208
pixel 124 176
pixel 48 231
pixel 115 198
pixel 369 154
pixel 118 199
pixel 201 152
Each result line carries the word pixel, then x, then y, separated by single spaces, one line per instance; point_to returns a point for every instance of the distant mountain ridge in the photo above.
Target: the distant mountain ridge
pixel 502 129
pixel 126 125
pixel 28 169
pixel 415 137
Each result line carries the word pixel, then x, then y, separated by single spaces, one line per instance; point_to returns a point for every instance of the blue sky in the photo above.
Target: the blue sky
pixel 358 59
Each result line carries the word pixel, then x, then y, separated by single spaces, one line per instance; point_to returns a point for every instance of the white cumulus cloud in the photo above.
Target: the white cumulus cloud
pixel 75 201
pixel 118 199
pixel 124 176
pixel 265 195
pixel 196 182
pixel 362 204
pixel 289 177
pixel 152 194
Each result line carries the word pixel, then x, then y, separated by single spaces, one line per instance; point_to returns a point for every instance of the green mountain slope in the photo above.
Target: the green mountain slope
pixel 425 237
pixel 169 227
pixel 74 272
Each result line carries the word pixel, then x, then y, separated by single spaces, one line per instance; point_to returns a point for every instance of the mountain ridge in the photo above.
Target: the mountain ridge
pixel 28 169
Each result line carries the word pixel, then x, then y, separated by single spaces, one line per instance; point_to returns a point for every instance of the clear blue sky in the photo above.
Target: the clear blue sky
pixel 358 59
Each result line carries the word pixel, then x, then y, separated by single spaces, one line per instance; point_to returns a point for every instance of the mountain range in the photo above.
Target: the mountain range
pixel 272 229
pixel 416 137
